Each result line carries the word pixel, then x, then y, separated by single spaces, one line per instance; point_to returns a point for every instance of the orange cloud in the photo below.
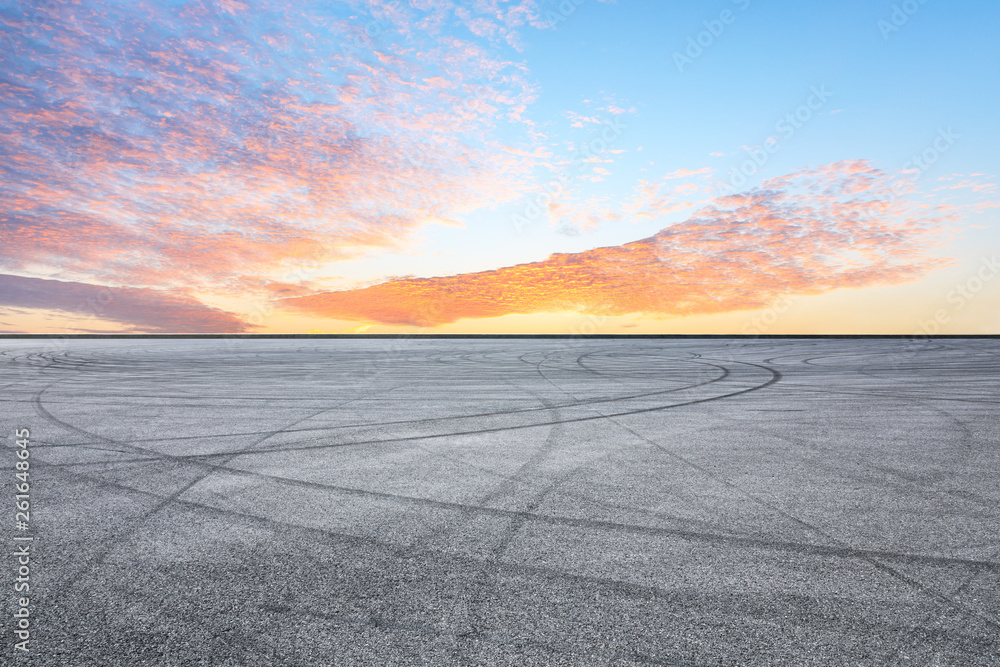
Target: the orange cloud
pixel 824 229
pixel 187 155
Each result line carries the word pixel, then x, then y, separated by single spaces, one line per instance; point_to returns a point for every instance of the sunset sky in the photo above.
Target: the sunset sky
pixel 500 166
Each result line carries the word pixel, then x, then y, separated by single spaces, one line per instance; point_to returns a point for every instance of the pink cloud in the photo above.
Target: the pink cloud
pixel 186 155
pixel 688 173
pixel 814 234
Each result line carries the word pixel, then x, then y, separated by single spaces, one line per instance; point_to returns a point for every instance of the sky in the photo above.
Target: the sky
pixel 500 166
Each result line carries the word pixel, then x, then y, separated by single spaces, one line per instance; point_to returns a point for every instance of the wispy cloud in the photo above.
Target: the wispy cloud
pixel 806 233
pixel 191 143
pixel 134 310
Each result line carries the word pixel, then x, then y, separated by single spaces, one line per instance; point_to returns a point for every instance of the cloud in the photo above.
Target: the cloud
pixel 137 310
pixel 806 233
pixel 192 143
pixel 578 120
pixel 659 199
pixel 687 173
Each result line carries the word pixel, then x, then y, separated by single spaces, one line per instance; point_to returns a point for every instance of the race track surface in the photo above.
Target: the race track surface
pixel 507 501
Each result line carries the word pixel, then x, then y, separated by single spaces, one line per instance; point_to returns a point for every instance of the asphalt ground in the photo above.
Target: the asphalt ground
pixel 505 501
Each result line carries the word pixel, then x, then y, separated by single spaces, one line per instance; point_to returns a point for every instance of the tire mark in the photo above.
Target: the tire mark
pixel 836 550
pixel 862 554
pixel 128 531
pixel 431 420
